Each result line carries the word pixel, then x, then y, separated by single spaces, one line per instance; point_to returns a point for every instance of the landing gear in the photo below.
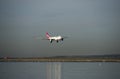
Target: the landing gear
pixel 57 41
pixel 51 41
pixel 62 39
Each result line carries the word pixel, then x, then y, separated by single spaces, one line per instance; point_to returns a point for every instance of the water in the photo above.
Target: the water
pixel 59 70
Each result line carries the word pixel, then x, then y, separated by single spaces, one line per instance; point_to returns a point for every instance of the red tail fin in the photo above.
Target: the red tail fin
pixel 47 35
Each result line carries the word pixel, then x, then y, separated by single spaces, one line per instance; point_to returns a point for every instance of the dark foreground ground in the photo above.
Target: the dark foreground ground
pixel 60 60
pixel 64 59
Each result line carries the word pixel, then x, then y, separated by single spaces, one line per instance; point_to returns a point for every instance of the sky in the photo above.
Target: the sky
pixel 92 27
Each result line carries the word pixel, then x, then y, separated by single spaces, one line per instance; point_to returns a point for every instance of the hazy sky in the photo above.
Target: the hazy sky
pixel 93 27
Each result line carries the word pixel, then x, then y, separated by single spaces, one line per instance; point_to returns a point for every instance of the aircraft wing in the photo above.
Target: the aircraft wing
pixel 64 37
pixel 44 39
pixel 39 37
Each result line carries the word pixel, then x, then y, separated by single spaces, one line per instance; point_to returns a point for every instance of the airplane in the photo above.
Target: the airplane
pixel 54 38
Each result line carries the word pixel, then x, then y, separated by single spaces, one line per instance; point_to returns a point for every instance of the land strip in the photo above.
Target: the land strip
pixel 60 59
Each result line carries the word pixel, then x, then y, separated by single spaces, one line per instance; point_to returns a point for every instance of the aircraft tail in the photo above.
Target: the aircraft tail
pixel 47 35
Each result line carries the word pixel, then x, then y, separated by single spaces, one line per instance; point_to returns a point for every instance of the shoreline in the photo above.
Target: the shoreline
pixel 60 60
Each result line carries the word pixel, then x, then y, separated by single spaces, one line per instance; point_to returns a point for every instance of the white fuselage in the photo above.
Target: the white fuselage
pixel 55 38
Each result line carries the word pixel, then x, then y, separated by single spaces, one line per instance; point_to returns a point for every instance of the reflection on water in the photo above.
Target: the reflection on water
pixel 59 70
pixel 54 70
